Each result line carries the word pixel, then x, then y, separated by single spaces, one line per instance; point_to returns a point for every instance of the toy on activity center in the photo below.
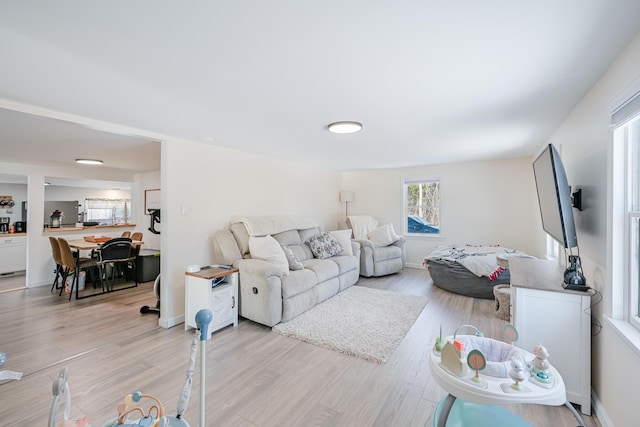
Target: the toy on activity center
pixel 497 354
pixel 130 411
pixel 492 363
pixel 495 358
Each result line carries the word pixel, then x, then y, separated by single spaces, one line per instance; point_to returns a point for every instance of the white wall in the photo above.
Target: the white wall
pixel 483 203
pixel 585 139
pixel 142 182
pixel 215 186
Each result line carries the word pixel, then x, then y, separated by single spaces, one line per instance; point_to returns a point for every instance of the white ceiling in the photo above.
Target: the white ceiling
pixel 432 81
pixel 51 142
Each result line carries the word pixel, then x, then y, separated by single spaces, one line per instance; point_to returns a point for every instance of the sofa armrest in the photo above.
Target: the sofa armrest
pixel 365 243
pixel 260 291
pixel 355 248
pixel 258 267
pixel 400 242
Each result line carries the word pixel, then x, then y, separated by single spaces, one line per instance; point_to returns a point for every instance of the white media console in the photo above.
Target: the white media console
pixel 544 312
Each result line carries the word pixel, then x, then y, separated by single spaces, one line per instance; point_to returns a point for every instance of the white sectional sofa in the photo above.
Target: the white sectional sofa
pixel 271 293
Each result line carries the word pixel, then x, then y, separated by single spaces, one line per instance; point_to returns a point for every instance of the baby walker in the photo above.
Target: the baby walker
pixel 130 412
pixel 509 375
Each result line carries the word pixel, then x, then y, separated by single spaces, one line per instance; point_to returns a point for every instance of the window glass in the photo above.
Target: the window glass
pixel 627 138
pixel 633 221
pixel 422 206
pixel 108 211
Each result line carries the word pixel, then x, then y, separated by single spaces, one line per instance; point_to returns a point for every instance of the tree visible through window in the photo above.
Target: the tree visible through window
pixel 422 206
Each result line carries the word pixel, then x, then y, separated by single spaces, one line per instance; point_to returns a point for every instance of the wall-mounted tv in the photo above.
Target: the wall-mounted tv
pixel 554 197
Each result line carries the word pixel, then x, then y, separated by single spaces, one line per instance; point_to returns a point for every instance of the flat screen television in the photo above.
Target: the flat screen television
pixel 554 197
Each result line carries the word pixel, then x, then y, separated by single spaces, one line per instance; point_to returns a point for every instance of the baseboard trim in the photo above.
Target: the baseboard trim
pixel 38 284
pixel 598 409
pixel 171 321
pixel 413 265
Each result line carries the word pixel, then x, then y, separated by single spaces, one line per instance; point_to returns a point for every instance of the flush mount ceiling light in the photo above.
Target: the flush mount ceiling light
pixel 345 127
pixel 89 162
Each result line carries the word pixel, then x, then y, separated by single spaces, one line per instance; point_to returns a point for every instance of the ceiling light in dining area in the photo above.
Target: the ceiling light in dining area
pixel 89 162
pixel 345 127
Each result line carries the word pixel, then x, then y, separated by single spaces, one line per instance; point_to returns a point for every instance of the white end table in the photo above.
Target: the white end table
pixel 213 288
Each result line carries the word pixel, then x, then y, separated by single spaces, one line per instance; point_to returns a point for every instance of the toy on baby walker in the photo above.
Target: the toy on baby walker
pixel 473 398
pixel 541 368
pixel 517 373
pixel 203 318
pixel 153 417
pixel 61 388
pixel 129 409
pixel 496 354
pixel 494 358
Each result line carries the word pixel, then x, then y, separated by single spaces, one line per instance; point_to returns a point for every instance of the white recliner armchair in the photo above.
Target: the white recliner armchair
pixel 382 250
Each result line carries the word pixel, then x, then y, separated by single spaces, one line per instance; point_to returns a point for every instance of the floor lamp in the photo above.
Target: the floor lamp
pixel 346 197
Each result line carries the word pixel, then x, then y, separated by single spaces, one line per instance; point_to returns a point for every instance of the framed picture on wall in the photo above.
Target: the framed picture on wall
pixel 151 200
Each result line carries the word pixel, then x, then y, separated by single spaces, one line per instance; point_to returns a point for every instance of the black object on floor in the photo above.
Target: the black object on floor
pixel 156 289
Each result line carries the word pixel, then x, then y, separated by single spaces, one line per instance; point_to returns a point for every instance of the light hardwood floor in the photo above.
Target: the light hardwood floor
pixel 254 377
pixel 10 283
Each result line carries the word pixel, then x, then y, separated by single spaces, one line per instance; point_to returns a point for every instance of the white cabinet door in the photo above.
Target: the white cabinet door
pixel 223 301
pixel 13 254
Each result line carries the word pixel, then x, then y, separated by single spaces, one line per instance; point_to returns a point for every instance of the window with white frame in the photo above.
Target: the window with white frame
pixel 422 206
pixel 626 188
pixel 108 211
pixel 554 249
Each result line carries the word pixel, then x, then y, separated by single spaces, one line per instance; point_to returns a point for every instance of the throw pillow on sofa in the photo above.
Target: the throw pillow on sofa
pixel 294 263
pixel 344 238
pixel 268 249
pixel 392 231
pixel 382 236
pixel 324 246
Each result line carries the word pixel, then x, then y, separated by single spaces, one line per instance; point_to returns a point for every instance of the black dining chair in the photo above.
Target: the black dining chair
pixel 113 255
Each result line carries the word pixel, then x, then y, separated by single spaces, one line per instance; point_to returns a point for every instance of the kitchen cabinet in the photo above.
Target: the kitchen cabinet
pixel 13 253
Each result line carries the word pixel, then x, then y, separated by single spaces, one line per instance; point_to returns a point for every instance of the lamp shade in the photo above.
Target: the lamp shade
pixel 346 196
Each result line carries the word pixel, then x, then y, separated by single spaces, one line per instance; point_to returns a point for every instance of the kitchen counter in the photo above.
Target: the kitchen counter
pixel 12 234
pixel 92 227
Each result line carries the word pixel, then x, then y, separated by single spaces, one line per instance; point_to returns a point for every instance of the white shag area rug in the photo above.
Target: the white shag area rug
pixel 362 322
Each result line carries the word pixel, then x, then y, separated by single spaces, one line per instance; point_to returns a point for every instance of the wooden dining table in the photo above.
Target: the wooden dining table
pixel 84 245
